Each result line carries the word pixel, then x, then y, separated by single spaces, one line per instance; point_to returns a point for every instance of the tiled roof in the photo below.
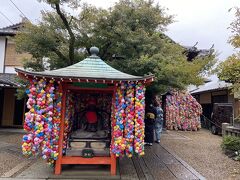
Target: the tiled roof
pixel 10 30
pixel 90 68
pixel 9 80
pixel 211 86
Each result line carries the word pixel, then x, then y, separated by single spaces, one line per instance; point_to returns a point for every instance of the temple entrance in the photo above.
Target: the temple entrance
pixel 90 125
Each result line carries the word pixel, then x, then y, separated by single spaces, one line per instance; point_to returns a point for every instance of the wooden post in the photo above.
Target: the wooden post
pixel 113 164
pixel 224 128
pixel 58 165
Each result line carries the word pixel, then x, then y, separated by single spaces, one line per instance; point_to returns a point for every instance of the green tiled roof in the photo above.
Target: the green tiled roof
pixel 90 68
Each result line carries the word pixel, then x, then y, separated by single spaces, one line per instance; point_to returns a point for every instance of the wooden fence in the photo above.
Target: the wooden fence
pixel 227 129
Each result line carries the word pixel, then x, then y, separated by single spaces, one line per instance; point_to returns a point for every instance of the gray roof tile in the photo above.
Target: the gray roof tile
pixel 9 80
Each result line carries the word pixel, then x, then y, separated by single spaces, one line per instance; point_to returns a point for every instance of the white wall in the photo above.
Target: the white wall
pixel 2 53
pixel 10 69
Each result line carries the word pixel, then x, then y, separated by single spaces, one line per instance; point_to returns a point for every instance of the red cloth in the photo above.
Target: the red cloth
pixel 91 117
pixel 92 101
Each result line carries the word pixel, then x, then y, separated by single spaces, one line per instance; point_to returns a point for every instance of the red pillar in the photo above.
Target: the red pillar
pixel 113 164
pixel 58 165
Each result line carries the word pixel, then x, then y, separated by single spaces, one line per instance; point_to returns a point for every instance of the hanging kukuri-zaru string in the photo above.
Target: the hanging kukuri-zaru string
pixel 139 119
pixel 27 141
pixel 56 123
pixel 182 111
pixel 39 118
pixel 118 144
pixel 48 123
pixel 130 112
pixel 43 136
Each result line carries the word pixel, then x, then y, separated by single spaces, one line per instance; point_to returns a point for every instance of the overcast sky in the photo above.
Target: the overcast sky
pixel 204 21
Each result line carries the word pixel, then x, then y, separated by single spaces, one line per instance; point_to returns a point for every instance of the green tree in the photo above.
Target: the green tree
pixel 130 37
pixel 53 37
pixel 229 70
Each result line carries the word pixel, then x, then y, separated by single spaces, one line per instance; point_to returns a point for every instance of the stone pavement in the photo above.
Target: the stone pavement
pixel 158 163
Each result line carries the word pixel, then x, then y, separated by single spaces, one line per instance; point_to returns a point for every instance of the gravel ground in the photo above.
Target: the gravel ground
pixel 10 151
pixel 8 161
pixel 202 151
pixel 12 138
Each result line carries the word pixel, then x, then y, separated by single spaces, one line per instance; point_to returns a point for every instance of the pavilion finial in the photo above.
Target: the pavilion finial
pixel 94 51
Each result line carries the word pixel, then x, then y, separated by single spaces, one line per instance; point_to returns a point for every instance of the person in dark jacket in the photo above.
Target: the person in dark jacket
pixel 149 124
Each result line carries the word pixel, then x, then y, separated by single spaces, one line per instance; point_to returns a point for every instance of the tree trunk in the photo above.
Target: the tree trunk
pixel 72 37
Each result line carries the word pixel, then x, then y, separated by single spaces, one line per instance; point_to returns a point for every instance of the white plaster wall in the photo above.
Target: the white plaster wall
pixel 2 53
pixel 10 69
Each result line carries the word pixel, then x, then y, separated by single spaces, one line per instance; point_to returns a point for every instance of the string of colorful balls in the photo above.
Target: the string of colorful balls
pixel 182 111
pixel 43 120
pixel 48 117
pixel 139 119
pixel 119 144
pixel 57 104
pixel 39 117
pixel 130 112
pixel 29 119
pixel 128 127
